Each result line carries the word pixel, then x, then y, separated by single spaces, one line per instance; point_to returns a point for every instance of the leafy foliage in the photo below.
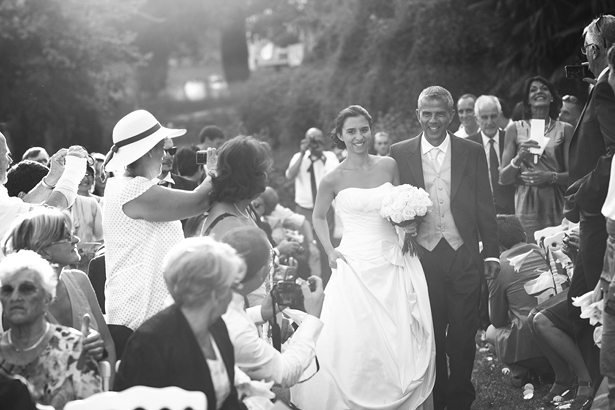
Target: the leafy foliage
pixel 67 61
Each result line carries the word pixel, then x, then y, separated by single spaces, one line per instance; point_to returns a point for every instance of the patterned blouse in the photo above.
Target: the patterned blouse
pixel 60 373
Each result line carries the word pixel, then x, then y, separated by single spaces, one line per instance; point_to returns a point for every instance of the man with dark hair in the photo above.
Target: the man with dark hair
pixel 211 137
pixel 24 176
pixel 591 155
pixel 510 304
pixel 253 355
pixel 571 110
pixel 185 163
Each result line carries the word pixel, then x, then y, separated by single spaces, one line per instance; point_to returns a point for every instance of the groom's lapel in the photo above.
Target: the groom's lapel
pixel 459 158
pixel 413 156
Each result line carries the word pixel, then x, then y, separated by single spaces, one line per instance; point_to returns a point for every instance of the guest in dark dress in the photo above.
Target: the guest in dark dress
pixel 187 344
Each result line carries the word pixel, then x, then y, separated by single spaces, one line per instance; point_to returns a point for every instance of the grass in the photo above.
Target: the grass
pixel 494 390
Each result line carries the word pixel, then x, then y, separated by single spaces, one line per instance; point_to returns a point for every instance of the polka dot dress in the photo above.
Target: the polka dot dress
pixel 135 289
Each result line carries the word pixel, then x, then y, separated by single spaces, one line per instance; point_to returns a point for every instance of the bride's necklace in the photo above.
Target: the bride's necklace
pixel 246 215
pixel 34 346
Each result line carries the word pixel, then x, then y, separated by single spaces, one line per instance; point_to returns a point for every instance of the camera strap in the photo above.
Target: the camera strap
pixel 276 333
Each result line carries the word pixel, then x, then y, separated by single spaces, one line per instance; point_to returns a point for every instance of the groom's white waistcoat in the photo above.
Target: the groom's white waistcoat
pixel 438 223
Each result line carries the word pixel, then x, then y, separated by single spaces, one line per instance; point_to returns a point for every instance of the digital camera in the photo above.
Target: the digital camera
pixel 579 72
pixel 201 157
pixel 314 145
pixel 286 291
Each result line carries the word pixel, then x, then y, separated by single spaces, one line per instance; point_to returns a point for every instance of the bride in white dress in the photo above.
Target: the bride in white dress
pixel 376 349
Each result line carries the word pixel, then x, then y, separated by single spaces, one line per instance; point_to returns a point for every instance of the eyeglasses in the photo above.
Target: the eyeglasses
pixel 571 99
pixel 24 288
pixel 68 238
pixel 10 158
pixel 171 151
pixel 599 30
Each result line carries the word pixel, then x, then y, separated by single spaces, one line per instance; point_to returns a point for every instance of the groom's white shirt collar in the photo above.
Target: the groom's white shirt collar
pixel 426 146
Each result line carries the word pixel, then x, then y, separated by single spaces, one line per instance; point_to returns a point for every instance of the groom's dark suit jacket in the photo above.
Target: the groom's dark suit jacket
pixel 503 194
pixel 471 199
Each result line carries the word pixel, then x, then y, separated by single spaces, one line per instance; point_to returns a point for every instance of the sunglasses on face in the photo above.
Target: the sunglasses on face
pixel 68 238
pixel 171 151
pixel 571 99
pixel 24 289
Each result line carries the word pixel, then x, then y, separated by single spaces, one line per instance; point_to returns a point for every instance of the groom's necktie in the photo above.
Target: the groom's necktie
pixel 435 151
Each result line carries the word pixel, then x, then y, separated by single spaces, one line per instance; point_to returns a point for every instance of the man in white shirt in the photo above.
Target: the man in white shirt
pixel 488 112
pixel 307 168
pixel 465 110
pixel 253 355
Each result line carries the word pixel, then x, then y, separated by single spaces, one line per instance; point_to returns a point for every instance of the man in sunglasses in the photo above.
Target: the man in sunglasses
pixel 591 154
pixel 167 177
pixel 571 110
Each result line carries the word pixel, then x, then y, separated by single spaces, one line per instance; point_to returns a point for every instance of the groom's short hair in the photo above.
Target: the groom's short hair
pixel 437 92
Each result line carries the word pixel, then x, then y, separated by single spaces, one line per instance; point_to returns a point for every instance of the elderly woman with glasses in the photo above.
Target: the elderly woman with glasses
pixel 48 232
pixel 49 356
pixel 187 345
pixel 540 179
pixel 141 219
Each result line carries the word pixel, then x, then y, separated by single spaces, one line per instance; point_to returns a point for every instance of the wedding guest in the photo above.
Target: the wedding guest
pixel 211 136
pixel 510 304
pixel 540 180
pixel 307 168
pixel 141 218
pixel 57 189
pixel 48 232
pixel 86 186
pixel 243 166
pixel 591 155
pixel 257 358
pixel 607 281
pixel 187 344
pixel 465 110
pixel 382 143
pixel 50 357
pixel 167 177
pixel 488 111
pixel 23 177
pixel 99 181
pixel 185 163
pixel 571 110
pixel 36 154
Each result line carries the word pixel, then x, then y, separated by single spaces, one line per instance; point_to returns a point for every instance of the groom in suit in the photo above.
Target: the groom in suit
pixel 454 173
pixel 488 111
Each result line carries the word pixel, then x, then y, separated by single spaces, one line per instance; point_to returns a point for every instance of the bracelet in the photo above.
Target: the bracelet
pixel 554 177
pixel 512 164
pixel 46 185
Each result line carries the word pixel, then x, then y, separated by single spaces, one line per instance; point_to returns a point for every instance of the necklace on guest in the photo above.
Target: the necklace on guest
pixel 34 346
pixel 246 215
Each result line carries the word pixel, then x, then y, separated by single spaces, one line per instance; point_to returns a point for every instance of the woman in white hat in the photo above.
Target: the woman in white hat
pixel 141 219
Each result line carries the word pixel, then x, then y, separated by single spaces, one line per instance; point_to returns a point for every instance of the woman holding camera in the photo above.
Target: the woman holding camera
pixel 376 349
pixel 141 219
pixel 541 180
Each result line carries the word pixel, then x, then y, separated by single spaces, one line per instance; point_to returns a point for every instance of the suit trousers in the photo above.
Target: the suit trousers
pixel 453 281
pixel 587 270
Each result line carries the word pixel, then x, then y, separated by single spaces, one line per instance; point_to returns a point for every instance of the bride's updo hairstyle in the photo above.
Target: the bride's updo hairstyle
pixel 352 111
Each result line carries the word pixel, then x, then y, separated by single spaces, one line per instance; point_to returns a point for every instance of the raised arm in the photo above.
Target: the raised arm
pixel 295 163
pixel 160 204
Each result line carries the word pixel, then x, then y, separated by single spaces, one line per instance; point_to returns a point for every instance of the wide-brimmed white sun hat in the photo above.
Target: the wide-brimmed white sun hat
pixel 134 136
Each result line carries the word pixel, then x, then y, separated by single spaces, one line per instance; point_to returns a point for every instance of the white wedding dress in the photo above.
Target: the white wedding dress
pixel 376 349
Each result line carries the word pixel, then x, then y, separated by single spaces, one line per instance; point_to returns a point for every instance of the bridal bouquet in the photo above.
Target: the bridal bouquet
pixel 403 205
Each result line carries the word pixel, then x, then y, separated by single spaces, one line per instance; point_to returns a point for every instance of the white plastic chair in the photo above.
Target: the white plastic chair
pixel 147 398
pixel 104 368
